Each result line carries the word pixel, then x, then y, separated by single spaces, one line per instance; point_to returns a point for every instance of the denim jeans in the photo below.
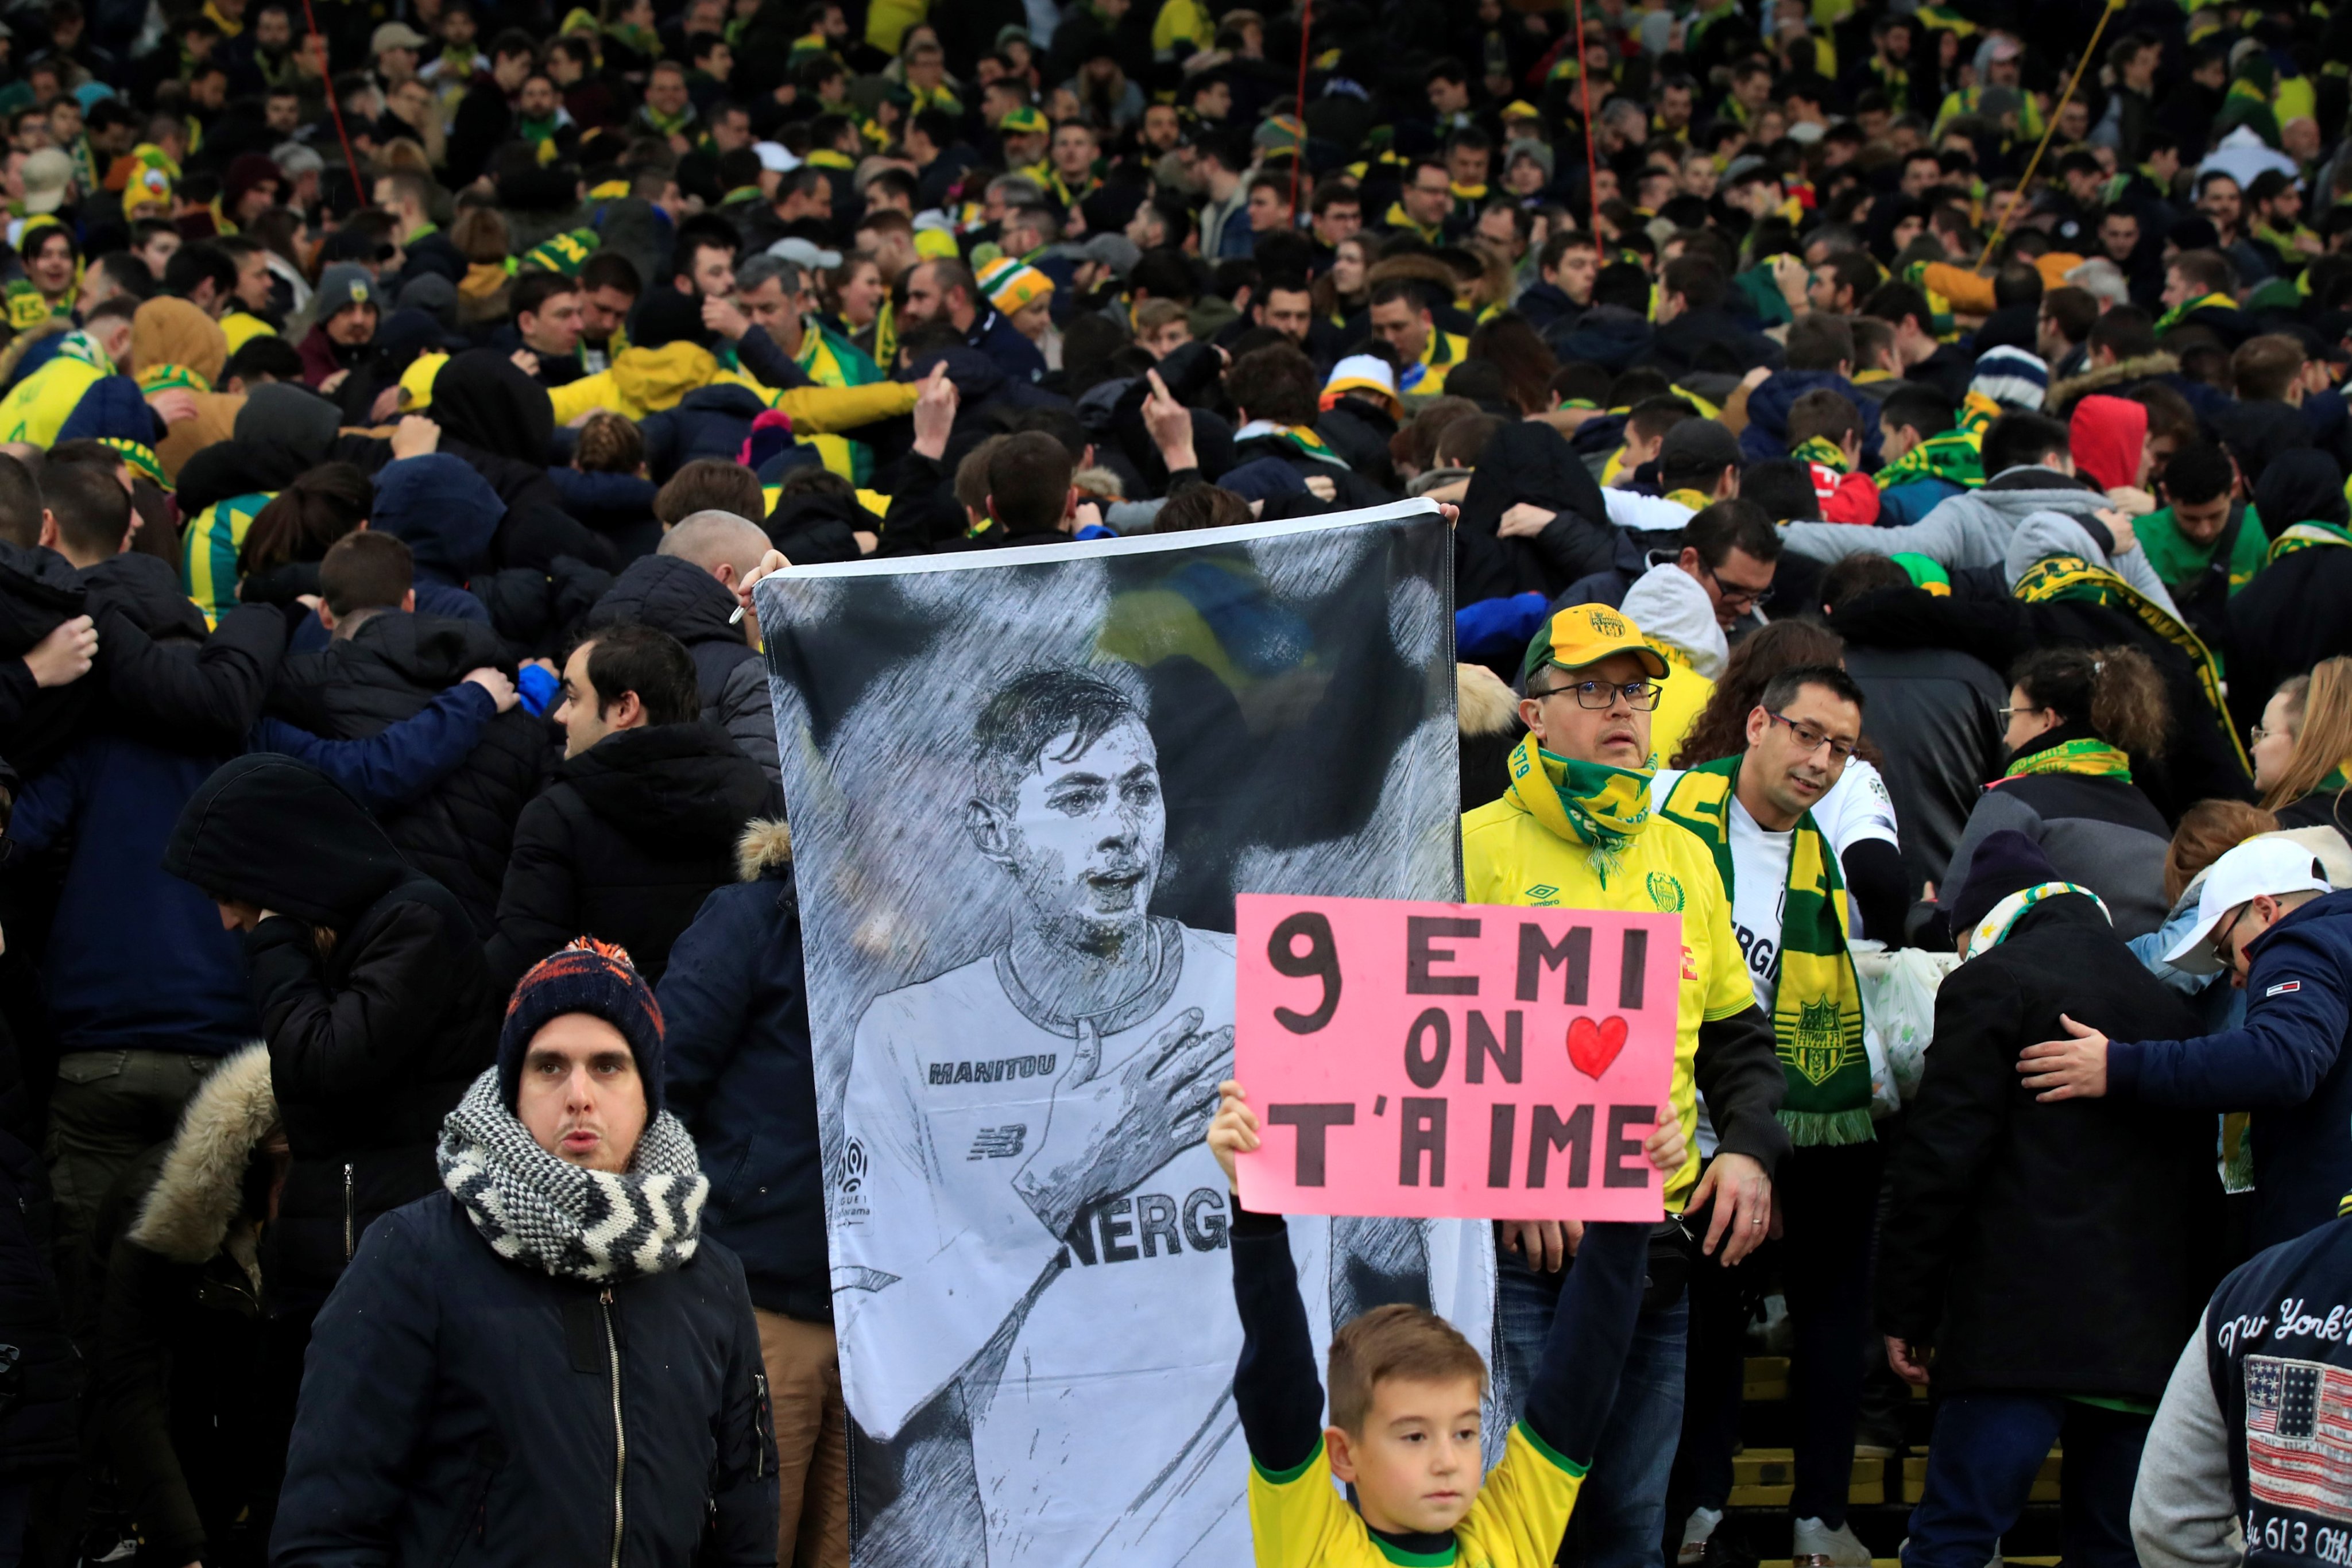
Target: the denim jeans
pixel 1981 1463
pixel 1620 1518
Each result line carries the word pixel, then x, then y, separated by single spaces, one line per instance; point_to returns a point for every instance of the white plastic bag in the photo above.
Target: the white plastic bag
pixel 1898 999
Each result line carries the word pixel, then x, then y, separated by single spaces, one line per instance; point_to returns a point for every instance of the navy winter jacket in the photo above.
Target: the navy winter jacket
pixel 458 1407
pixel 2287 1064
pixel 742 1077
pixel 445 512
pixel 1767 434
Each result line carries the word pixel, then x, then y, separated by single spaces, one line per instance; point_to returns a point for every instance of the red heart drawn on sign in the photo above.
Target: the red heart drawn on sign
pixel 1591 1047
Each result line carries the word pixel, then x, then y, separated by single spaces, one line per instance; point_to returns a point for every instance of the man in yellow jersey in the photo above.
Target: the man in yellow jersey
pixel 1574 831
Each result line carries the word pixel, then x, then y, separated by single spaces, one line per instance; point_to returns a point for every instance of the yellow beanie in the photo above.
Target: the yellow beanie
pixel 1011 284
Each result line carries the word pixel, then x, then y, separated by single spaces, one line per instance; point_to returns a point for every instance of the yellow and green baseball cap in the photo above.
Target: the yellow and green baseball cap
pixel 1024 122
pixel 1585 635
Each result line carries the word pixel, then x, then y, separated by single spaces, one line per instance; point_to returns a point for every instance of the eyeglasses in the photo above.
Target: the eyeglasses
pixel 2257 734
pixel 1813 740
pixel 2008 713
pixel 1734 596
pixel 1642 696
pixel 2222 937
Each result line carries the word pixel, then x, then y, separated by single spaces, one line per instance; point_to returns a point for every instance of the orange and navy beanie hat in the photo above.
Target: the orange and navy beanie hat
pixel 587 977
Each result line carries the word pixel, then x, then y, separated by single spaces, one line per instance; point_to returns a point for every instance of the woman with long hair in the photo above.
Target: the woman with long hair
pixel 2302 747
pixel 2078 720
pixel 1519 350
pixel 1343 293
pixel 853 296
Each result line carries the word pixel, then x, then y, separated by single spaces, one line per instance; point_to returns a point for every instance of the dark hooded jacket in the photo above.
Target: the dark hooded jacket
pixel 2048 1248
pixel 681 599
pixel 445 512
pixel 626 844
pixel 373 1033
pixel 392 666
pixel 742 1078
pixel 2276 630
pixel 709 422
pixel 39 1385
pixel 814 527
pixel 1359 431
pixel 1703 340
pixel 499 422
pixel 1767 433
pixel 1532 463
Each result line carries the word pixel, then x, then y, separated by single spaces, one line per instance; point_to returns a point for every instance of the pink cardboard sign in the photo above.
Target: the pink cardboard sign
pixel 1454 1060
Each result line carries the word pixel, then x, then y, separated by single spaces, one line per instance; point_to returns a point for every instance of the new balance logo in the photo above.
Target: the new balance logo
pixel 999 1142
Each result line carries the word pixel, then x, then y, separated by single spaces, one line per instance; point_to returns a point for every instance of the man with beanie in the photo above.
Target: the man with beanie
pixel 545 1361
pixel 2267 917
pixel 1575 831
pixel 346 309
pixel 2048 1258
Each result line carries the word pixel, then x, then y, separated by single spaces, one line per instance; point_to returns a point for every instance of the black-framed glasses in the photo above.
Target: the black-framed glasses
pixel 1814 740
pixel 1642 696
pixel 2222 937
pixel 1732 595
pixel 2008 713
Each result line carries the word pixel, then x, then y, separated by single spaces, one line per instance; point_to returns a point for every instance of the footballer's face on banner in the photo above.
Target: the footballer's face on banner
pixel 1083 835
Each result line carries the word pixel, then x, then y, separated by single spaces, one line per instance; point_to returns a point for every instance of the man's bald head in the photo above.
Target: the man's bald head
pixel 725 546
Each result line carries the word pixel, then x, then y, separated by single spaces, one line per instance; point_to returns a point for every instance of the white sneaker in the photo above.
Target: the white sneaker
pixel 1695 1532
pixel 1818 1546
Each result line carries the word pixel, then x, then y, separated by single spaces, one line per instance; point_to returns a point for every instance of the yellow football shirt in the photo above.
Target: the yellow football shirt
pixel 1298 1520
pixel 1508 857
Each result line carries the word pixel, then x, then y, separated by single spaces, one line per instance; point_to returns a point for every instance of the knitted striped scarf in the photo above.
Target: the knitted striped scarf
pixel 1956 457
pixel 1588 803
pixel 2088 758
pixel 2305 536
pixel 1817 1021
pixel 559 1219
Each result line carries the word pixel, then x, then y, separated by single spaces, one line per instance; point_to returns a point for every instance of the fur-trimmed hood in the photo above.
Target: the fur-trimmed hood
pixel 2065 394
pixel 197 1195
pixel 1483 704
pixel 766 845
pixel 22 344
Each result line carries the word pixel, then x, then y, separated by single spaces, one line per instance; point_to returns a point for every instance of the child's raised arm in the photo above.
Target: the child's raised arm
pixel 1275 1390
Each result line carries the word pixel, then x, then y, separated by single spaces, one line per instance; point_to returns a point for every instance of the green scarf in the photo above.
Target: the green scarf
pixel 2179 313
pixel 155 378
pixel 668 124
pixel 2071 579
pixel 2091 757
pixel 1588 803
pixel 2002 918
pixel 1956 457
pixel 1299 438
pixel 1821 449
pixel 1817 1021
pixel 2305 536
pixel 2337 779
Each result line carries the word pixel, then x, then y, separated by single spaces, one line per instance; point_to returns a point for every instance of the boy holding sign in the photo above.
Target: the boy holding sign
pixel 1406 1389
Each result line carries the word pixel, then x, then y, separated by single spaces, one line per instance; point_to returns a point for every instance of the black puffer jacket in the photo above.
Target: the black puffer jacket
pixel 2048 1248
pixel 626 844
pixel 461 1408
pixel 691 605
pixel 1531 462
pixel 390 667
pixel 373 1034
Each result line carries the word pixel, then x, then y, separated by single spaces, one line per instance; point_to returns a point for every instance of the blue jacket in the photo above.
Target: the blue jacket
pixel 445 513
pixel 2287 1064
pixel 137 959
pixel 995 336
pixel 1906 504
pixel 742 1077
pixel 459 1408
pixel 1767 434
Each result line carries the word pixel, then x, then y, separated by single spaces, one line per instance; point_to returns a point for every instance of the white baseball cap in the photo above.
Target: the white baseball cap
pixel 775 158
pixel 2273 866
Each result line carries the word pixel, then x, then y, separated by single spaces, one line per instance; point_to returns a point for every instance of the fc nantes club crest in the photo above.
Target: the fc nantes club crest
pixel 1816 1048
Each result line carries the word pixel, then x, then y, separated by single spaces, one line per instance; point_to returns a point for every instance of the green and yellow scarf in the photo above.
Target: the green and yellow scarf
pixel 1956 457
pixel 2002 918
pixel 1695 500
pixel 1299 438
pixel 1821 449
pixel 1817 1021
pixel 155 378
pixel 2179 313
pixel 2071 579
pixel 1588 803
pixel 2091 758
pixel 2305 536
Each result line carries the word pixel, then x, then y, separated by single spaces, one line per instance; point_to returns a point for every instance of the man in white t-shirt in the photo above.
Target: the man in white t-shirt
pixel 1799 766
pixel 1027 1224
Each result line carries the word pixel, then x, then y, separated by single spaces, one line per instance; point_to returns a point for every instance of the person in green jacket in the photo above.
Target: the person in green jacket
pixel 2206 544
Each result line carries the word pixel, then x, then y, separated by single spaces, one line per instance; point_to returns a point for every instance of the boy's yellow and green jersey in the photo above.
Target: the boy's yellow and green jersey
pixel 209 551
pixel 1299 1520
pixel 1509 857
